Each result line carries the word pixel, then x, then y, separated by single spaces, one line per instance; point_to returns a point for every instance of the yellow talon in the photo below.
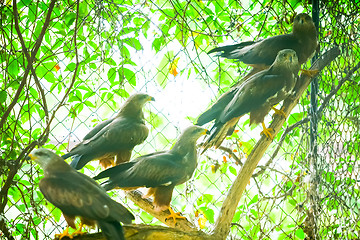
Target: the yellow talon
pixel 266 131
pixel 64 234
pixel 174 215
pixel 310 73
pixel 279 112
pixel 78 231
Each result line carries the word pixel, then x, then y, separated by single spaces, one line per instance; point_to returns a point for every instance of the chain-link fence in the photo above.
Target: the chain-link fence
pixel 68 65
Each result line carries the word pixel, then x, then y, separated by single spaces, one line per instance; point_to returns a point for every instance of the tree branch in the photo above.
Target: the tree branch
pixel 223 222
pixel 146 205
pixel 147 232
pixel 25 51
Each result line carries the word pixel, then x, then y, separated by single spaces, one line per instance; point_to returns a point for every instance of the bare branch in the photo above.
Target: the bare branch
pixel 25 51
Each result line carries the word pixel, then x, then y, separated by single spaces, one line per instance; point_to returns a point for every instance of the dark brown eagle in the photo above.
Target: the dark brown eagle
pixel 77 195
pixel 256 96
pixel 114 137
pixel 159 171
pixel 261 54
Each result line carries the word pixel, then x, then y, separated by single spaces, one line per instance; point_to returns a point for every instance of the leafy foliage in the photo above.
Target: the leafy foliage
pixel 68 65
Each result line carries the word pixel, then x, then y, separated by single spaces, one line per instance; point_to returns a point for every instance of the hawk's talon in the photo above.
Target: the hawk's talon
pixel 310 73
pixel 267 131
pixel 174 215
pixel 279 112
pixel 78 231
pixel 64 234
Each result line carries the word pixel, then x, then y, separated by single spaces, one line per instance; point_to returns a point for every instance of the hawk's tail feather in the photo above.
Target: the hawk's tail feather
pixel 220 133
pixel 113 171
pixel 78 161
pixel 216 137
pixel 67 155
pixel 227 49
pixel 112 230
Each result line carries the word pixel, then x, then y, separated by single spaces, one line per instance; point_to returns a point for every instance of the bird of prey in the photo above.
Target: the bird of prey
pixel 114 137
pixel 77 195
pixel 158 171
pixel 256 96
pixel 261 54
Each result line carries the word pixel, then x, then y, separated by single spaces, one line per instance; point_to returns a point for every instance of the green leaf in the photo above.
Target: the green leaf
pixel 133 42
pixel 110 61
pixel 70 18
pixel 89 104
pixel 300 233
pixel 70 67
pixel 232 170
pixel 254 199
pixel 209 213
pixel 130 76
pixel 156 45
pixel 13 68
pixel 111 74
pixel 3 96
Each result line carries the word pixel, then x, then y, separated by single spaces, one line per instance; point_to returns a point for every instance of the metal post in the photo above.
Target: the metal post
pixel 314 88
pixel 314 175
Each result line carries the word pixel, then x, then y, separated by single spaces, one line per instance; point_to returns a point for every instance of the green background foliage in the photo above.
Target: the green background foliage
pixel 60 77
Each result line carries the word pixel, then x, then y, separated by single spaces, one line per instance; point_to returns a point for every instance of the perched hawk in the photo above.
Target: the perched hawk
pixel 256 96
pixel 159 171
pixel 77 195
pixel 261 54
pixel 114 137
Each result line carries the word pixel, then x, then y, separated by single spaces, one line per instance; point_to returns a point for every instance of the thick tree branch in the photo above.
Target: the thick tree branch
pixel 147 232
pixel 223 223
pixel 146 205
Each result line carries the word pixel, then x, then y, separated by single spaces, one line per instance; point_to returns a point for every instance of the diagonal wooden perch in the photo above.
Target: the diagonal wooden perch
pixel 223 222
pixel 146 204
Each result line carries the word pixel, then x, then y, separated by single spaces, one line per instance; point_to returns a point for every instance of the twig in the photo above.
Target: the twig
pixel 24 49
pixel 280 143
pixel 223 222
pixel 334 91
pixel 319 112
pixel 232 154
pixel 45 134
pixel 13 170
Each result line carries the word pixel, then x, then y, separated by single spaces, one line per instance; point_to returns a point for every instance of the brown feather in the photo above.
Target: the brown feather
pixel 117 136
pixel 162 197
pixel 160 171
pixel 77 195
pixel 256 96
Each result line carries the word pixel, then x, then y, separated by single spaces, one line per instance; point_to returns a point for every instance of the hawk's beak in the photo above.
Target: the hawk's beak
pixel 151 99
pixel 290 59
pixel 29 157
pixel 205 132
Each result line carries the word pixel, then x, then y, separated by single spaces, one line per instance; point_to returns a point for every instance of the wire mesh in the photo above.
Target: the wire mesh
pixel 94 54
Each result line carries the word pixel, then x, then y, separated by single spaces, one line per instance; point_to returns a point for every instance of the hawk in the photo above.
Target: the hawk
pixel 261 54
pixel 77 195
pixel 256 96
pixel 114 137
pixel 158 171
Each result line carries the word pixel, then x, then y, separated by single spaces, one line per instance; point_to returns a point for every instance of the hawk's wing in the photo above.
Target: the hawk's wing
pixel 78 195
pixel 153 170
pixel 121 134
pixel 252 95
